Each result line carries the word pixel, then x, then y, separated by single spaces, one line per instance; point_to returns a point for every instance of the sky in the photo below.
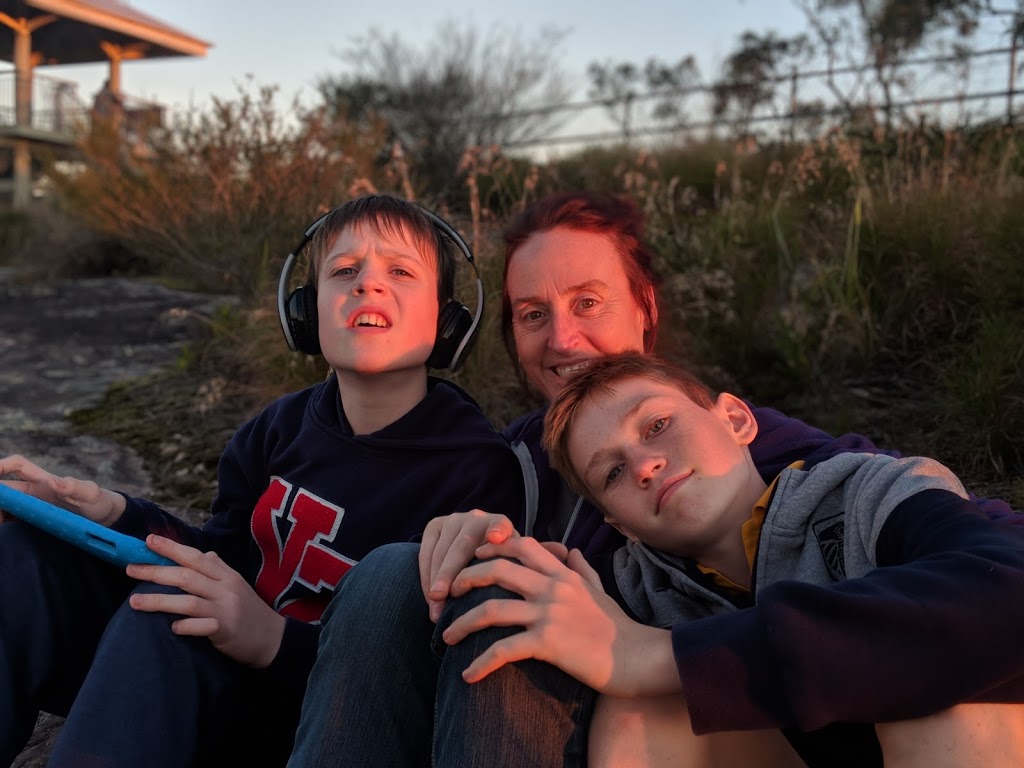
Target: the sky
pixel 294 48
pixel 294 45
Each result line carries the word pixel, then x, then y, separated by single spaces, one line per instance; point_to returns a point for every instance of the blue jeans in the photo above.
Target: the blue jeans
pixel 386 690
pixel 55 602
pixel 134 693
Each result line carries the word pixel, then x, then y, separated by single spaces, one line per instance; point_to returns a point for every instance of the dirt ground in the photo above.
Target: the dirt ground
pixel 62 345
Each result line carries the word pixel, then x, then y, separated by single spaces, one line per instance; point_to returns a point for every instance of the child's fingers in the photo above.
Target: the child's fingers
pixel 578 563
pixel 461 535
pixel 528 551
pixel 22 468
pixel 500 530
pixel 180 604
pixel 492 613
pixel 505 651
pixel 450 548
pixel 207 563
pixel 184 578
pixel 206 626
pixel 503 573
pixel 556 548
pixel 428 545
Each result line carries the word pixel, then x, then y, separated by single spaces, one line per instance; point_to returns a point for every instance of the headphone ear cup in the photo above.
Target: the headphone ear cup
pixel 454 322
pixel 302 319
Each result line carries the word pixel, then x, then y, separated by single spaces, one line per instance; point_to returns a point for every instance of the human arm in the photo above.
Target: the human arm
pixel 568 621
pixel 934 625
pixel 865 649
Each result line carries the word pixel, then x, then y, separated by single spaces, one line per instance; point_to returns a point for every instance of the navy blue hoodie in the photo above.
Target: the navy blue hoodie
pixel 301 499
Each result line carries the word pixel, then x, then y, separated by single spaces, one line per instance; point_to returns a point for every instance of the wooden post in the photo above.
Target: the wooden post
pixel 23 116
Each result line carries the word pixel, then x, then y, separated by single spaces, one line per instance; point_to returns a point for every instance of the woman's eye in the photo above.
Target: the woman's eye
pixel 656 426
pixel 612 475
pixel 587 303
pixel 401 272
pixel 344 271
pixel 532 316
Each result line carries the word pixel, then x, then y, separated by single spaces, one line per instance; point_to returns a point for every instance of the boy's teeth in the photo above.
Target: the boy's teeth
pixel 368 319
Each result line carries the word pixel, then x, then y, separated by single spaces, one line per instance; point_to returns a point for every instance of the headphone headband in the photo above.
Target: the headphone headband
pixel 297 312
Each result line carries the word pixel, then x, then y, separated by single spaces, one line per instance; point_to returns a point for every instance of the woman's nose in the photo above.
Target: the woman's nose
pixel 564 335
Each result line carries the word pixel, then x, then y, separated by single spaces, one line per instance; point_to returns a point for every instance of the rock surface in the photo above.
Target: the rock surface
pixel 62 345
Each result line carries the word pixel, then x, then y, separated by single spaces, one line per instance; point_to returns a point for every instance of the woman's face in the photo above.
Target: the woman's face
pixel 571 303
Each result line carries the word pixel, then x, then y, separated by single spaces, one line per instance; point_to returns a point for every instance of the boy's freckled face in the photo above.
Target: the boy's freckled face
pixel 668 472
pixel 377 301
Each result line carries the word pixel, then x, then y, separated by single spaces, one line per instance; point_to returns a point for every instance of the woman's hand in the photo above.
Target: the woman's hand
pixel 568 621
pixel 449 544
pixel 218 604
pixel 83 497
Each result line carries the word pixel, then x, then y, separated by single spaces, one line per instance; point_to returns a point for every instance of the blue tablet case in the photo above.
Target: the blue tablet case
pixel 114 547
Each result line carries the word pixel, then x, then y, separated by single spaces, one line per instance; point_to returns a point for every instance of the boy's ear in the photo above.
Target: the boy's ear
pixel 631 536
pixel 738 418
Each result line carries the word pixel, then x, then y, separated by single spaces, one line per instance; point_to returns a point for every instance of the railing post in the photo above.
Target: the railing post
pixel 23 117
pixel 1012 83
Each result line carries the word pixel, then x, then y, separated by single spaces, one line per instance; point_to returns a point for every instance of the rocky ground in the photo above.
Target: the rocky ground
pixel 62 345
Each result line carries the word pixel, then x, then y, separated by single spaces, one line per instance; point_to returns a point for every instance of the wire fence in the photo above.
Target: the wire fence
pixel 954 90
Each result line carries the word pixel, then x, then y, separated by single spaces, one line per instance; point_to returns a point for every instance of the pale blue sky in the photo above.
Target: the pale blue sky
pixel 293 48
pixel 293 45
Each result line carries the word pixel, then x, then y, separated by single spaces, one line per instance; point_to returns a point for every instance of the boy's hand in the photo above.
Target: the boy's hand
pixel 449 544
pixel 568 621
pixel 219 603
pixel 83 497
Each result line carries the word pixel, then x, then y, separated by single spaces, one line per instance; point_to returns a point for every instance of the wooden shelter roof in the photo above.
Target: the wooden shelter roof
pixel 81 30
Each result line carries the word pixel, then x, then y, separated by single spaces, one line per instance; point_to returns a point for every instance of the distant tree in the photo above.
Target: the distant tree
pixel 753 73
pixel 462 89
pixel 880 34
pixel 624 88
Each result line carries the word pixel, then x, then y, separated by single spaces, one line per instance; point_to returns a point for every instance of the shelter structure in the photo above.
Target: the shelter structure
pixel 51 32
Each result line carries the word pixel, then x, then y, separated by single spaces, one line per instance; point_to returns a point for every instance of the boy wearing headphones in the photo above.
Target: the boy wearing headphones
pixel 753 605
pixel 206 662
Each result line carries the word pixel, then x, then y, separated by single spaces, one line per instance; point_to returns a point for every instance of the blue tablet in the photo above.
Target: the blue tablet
pixel 117 548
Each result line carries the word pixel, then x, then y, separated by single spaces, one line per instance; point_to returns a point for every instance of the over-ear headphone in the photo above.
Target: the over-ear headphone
pixel 456 325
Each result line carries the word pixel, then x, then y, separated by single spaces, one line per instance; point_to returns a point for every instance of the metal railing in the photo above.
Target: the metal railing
pixel 57 109
pixel 55 106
